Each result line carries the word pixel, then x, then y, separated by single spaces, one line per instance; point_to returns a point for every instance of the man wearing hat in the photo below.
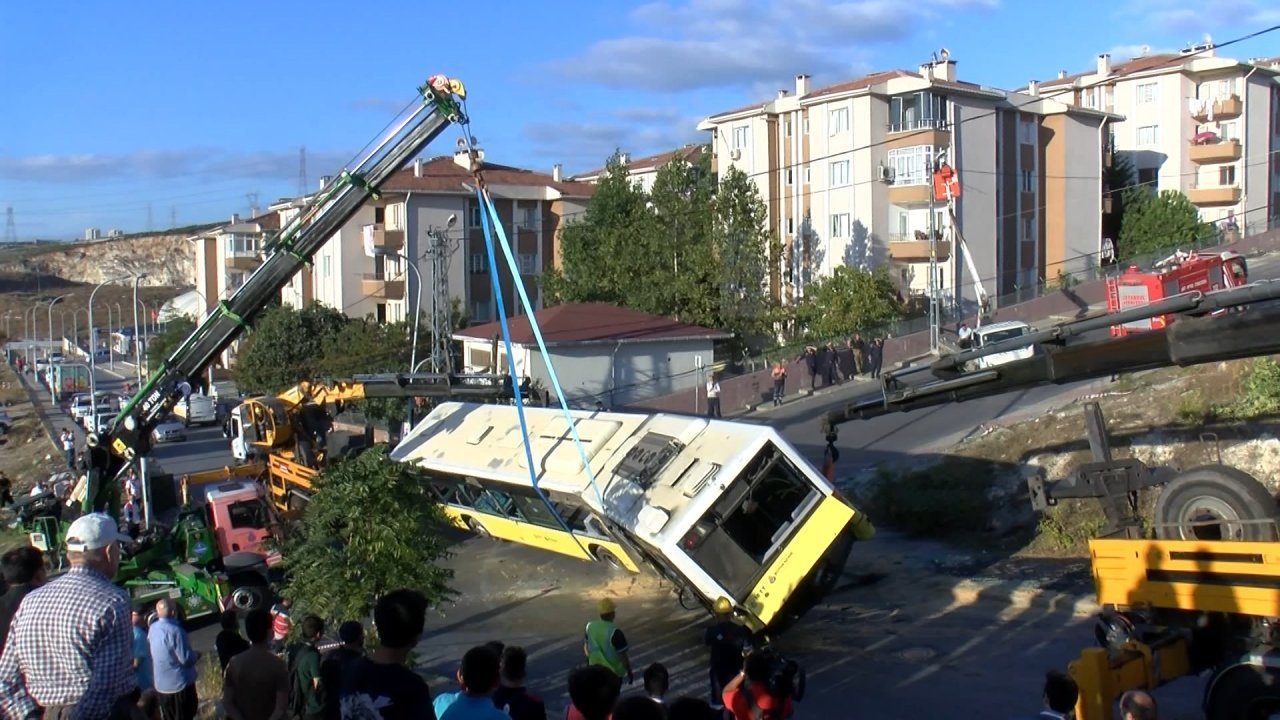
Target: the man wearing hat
pixel 606 645
pixel 69 650
pixel 728 641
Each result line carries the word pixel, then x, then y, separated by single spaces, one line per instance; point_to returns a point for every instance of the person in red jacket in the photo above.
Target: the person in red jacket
pixel 748 697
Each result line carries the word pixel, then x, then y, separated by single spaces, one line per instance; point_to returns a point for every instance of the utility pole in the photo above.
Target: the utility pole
pixel 440 249
pixel 10 226
pixel 935 299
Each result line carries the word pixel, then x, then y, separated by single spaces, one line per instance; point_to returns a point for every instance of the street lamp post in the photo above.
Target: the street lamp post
pixel 137 338
pixel 35 329
pixel 53 395
pixel 93 356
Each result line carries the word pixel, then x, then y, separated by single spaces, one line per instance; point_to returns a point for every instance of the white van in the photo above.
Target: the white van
pixel 998 332
pixel 197 409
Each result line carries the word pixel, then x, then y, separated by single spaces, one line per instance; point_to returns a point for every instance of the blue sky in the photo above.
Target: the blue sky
pixel 186 108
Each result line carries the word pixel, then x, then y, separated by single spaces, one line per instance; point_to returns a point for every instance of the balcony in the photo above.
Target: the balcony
pixel 243 259
pixel 915 248
pixel 908 133
pixel 1214 194
pixel 1220 151
pixel 377 286
pixel 910 194
pixel 1223 109
pixel 387 241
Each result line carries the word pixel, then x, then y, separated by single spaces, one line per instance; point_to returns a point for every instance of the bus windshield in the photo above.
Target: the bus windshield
pixel 738 536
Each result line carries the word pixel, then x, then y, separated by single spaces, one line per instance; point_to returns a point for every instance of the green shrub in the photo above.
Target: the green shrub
pixel 946 499
pixel 1259 390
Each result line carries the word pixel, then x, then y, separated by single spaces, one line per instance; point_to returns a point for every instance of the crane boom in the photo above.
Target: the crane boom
pixel 1069 356
pixel 285 254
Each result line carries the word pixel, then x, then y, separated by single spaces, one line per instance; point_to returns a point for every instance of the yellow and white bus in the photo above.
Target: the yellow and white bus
pixel 721 509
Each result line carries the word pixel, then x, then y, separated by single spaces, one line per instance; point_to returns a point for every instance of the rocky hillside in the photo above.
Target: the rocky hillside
pixel 167 259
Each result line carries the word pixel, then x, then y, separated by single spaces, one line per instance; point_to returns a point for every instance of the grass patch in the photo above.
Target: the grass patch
pixel 951 498
pixel 1065 529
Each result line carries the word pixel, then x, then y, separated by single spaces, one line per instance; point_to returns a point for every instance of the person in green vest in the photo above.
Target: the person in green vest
pixel 605 644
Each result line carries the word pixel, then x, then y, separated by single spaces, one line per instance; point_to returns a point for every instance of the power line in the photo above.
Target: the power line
pixel 10 226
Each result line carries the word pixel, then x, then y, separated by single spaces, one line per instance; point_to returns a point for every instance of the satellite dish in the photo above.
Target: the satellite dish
pixel 1146 50
pixel 944 54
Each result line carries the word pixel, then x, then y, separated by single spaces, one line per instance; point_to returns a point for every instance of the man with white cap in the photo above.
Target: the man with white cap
pixel 69 648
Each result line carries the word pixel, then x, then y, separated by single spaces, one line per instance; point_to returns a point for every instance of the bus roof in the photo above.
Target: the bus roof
pixel 484 441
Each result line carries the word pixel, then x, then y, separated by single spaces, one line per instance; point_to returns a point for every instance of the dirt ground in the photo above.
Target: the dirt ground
pixel 26 451
pixel 1176 417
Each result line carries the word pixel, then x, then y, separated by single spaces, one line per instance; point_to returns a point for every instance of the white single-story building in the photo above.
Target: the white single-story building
pixel 600 352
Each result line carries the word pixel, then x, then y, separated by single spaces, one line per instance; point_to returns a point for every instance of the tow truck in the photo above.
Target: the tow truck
pixel 1195 590
pixel 1181 272
pixel 289 432
pixel 438 106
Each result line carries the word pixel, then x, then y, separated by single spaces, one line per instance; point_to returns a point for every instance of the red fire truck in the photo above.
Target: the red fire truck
pixel 1177 274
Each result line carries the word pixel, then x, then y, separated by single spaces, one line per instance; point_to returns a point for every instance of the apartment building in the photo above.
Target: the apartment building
pixel 226 255
pixel 1205 125
pixel 430 207
pixel 845 171
pixel 644 170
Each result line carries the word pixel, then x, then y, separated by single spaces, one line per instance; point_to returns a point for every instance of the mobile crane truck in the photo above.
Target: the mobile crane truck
pixel 289 432
pixel 1199 594
pixel 439 105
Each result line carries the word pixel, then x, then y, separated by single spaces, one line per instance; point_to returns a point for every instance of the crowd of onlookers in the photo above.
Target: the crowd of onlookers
pixel 75 647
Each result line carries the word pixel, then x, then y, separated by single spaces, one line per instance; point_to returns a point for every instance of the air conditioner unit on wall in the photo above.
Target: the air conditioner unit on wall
pixel 735 154
pixel 886 173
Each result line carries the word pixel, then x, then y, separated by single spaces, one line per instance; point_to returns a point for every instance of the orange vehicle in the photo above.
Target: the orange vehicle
pixel 1175 275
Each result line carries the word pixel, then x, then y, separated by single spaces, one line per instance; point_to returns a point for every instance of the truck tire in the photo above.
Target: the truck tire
pixel 1243 507
pixel 249 592
pixel 1244 692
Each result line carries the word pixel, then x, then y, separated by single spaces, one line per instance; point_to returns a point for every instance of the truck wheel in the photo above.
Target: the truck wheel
pixel 1244 693
pixel 1215 502
pixel 249 592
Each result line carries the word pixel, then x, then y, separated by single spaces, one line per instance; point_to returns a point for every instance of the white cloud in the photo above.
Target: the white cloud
pixel 582 146
pixel 739 43
pixel 1195 17
pixel 161 165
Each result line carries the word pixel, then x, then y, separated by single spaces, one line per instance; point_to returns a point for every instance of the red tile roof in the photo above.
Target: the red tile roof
pixel 443 175
pixel 860 83
pixel 583 323
pixel 1129 67
pixel 689 153
pixel 267 221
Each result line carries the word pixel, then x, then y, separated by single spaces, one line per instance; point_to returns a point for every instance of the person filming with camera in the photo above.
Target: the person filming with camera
pixel 761 691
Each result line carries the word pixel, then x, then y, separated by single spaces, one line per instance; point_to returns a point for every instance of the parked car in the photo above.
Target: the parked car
pixel 105 420
pixel 171 429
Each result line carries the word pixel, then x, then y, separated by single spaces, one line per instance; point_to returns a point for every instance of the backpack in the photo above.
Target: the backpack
pixel 298 691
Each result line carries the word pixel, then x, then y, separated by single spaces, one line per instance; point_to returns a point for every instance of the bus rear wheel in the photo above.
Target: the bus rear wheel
pixel 480 530
pixel 607 557
pixel 1245 693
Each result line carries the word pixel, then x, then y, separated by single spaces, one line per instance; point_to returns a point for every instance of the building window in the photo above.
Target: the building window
pixel 1149 178
pixel 1146 93
pixel 1226 88
pixel 786 127
pixel 1028 229
pixel 806 175
pixel 806 125
pixel 1028 181
pixel 840 173
pixel 911 165
pixel 528 264
pixel 741 137
pixel 476 216
pixel 529 218
pixel 479 263
pixel 326 266
pixel 838 120
pixel 790 176
pixel 380 312
pixel 840 225
pixel 1148 135
pixel 917 111
pixel 1228 131
pixel 1028 127
pixel 479 311
pixel 791 225
pixel 1227 175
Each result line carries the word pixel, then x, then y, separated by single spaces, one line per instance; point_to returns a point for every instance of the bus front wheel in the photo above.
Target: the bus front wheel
pixel 606 557
pixel 474 526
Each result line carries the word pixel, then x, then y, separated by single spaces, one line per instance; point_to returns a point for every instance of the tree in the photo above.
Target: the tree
pixel 371 527
pixel 1117 180
pixel 174 333
pixel 742 248
pixel 1158 222
pixel 366 346
pixel 285 346
pixel 683 266
pixel 849 301
pixel 606 254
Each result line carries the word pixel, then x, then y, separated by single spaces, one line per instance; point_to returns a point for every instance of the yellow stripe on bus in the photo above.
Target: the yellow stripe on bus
pixel 798 558
pixel 545 538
